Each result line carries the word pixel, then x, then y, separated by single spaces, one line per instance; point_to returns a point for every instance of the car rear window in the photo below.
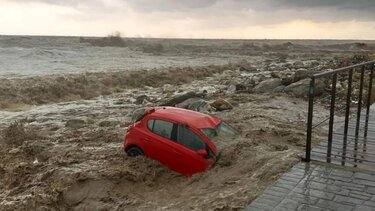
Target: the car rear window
pixel 160 127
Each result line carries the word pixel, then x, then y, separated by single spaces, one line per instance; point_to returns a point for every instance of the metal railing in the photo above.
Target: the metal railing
pixel 363 68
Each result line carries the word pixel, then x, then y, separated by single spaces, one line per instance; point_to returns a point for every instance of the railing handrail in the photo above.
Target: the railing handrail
pixel 330 72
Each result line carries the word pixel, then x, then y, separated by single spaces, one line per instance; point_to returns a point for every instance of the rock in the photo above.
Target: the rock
pixel 313 63
pixel 119 102
pixel 181 98
pixel 228 73
pixel 207 89
pixel 233 88
pixel 75 123
pixel 137 114
pixel 14 151
pixel 279 89
pixel 301 74
pixel 195 104
pixel 267 85
pixel 262 77
pixel 288 65
pixel 275 74
pixel 36 161
pixel 251 82
pixel 200 106
pixel 107 123
pixel 248 69
pixel 301 88
pixel 139 100
pixel 287 80
pixel 279 147
pixel 241 87
pixel 286 76
pixel 221 105
pixel 244 65
pixel 168 88
pixel 298 64
pixel 255 80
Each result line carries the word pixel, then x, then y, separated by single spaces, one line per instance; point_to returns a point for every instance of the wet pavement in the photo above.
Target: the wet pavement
pixel 359 151
pixel 347 183
pixel 319 186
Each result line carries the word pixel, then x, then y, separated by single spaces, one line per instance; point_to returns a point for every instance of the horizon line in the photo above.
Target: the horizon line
pixel 190 38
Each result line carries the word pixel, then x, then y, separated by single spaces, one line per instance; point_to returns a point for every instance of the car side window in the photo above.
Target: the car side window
pixel 161 127
pixel 189 139
pixel 150 124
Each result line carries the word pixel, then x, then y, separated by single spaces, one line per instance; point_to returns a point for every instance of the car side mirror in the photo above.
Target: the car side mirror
pixel 202 152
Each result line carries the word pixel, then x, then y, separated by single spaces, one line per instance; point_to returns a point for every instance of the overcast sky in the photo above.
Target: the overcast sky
pixel 252 19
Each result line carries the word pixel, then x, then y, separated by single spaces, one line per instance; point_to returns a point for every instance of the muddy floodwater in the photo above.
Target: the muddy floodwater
pixel 64 107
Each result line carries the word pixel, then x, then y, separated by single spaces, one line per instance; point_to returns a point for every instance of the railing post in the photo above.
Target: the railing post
pixel 347 113
pixel 331 117
pixel 358 114
pixel 368 102
pixel 309 119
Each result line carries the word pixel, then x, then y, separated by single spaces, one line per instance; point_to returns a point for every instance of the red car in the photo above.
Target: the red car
pixel 181 139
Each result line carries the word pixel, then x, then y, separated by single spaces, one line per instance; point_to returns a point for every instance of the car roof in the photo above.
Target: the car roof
pixel 184 116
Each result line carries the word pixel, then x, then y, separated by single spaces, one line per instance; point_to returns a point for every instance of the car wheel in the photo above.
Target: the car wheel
pixel 134 151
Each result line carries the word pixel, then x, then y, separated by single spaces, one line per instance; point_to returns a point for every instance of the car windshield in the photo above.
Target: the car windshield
pixel 222 130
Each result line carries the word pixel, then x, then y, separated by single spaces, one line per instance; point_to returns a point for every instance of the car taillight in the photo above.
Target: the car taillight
pixel 149 110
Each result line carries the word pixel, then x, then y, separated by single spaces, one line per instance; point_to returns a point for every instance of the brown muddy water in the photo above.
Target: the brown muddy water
pixel 61 135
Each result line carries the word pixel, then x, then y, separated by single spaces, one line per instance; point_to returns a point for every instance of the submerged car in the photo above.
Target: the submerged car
pixel 181 139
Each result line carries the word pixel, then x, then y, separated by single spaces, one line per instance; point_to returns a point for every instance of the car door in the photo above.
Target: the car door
pixel 161 143
pixel 188 145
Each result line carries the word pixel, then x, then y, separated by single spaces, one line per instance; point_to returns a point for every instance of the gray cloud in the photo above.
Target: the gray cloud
pixel 340 4
pixel 320 10
pixel 273 10
pixel 169 5
pixel 270 11
pixel 165 5
pixel 175 5
pixel 57 2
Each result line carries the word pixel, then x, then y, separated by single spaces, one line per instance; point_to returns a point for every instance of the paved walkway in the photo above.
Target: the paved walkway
pixel 319 186
pixel 358 152
pixel 336 186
